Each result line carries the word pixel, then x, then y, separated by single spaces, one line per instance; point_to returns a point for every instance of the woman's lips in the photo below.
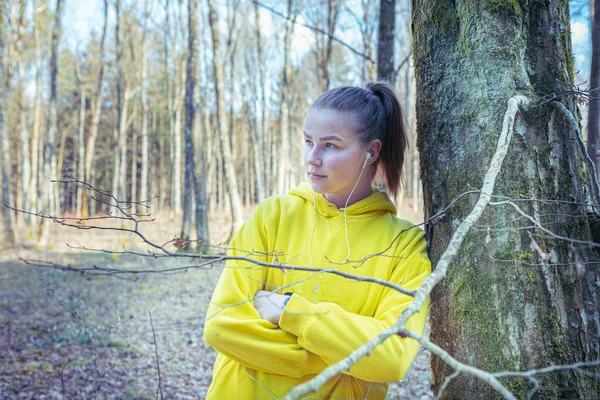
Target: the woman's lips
pixel 316 177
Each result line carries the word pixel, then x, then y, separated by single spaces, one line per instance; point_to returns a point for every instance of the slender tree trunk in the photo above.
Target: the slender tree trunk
pixel 333 7
pixel 514 298
pixel 593 126
pixel 81 151
pixel 99 98
pixel 177 152
pixel 232 186
pixel 121 115
pixel 261 131
pixel 134 168
pixel 25 138
pixel 385 46
pixel 144 93
pixel 284 174
pixel 190 184
pixel 47 186
pixel 37 110
pixel 7 215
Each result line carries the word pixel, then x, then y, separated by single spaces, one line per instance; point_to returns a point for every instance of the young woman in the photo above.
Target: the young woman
pixel 275 328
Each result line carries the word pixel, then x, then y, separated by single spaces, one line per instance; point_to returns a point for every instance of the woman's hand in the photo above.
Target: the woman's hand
pixel 269 305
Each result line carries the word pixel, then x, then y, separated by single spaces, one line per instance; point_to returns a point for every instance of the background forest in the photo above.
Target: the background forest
pixel 189 113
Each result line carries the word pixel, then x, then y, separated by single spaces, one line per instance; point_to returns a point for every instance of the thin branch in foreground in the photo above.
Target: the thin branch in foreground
pixel 156 353
pixel 62 379
pixel 85 330
pixel 436 276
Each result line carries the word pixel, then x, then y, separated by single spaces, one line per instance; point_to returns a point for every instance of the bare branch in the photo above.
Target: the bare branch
pixel 156 353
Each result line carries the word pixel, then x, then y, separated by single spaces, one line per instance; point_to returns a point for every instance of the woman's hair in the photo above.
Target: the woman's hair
pixel 378 115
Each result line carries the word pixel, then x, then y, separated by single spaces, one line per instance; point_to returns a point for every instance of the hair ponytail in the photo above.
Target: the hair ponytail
pixel 378 116
pixel 394 136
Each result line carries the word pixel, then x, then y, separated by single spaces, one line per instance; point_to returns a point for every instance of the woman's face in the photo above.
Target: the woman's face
pixel 334 156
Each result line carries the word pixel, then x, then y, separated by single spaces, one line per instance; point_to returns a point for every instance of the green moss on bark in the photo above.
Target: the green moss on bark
pixel 443 14
pixel 510 7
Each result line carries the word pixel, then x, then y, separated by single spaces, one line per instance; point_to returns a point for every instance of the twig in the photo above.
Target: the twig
pixel 530 375
pixel 85 330
pixel 62 378
pixel 95 270
pixel 541 227
pixel 447 381
pixel 436 276
pixel 589 165
pixel 157 359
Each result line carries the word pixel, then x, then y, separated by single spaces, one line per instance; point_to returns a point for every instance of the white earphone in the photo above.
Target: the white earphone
pixel 367 159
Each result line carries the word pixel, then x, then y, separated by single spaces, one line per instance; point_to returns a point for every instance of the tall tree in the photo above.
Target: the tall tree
pixel 37 110
pixel 97 110
pixel 521 292
pixel 219 77
pixel 385 45
pixel 191 184
pixel 285 170
pixel 145 109
pixel 593 126
pixel 258 139
pixel 47 192
pixel 7 216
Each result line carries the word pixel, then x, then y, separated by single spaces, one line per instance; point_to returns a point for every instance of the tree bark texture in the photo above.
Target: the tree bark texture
pixel 385 45
pixel 514 298
pixel 593 143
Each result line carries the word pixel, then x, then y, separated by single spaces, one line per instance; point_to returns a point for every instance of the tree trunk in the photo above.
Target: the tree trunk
pixel 593 143
pixel 232 186
pixel 37 110
pixel 47 196
pixel 7 215
pixel 385 45
pixel 259 136
pixel 25 138
pixel 514 298
pixel 99 98
pixel 81 151
pixel 121 107
pixel 134 167
pixel 284 175
pixel 144 149
pixel 190 185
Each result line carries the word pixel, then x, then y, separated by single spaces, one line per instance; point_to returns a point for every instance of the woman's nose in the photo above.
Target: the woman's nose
pixel 313 157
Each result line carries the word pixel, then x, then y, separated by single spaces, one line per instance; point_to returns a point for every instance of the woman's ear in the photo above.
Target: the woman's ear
pixel 374 148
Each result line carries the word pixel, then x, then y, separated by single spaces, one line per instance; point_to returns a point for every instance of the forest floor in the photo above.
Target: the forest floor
pixel 45 352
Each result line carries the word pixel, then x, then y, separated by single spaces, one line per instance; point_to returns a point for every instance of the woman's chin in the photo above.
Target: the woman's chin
pixel 318 187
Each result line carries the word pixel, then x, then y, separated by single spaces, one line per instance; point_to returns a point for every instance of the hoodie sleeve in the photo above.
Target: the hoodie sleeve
pixel 234 328
pixel 331 332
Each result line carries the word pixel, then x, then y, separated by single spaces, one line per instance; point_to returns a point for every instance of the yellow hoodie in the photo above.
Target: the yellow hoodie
pixel 328 316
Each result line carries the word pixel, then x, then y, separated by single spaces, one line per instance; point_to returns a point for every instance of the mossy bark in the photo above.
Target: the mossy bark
pixel 514 299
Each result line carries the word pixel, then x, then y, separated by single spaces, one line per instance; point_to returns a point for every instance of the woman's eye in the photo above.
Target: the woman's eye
pixel 331 145
pixel 308 142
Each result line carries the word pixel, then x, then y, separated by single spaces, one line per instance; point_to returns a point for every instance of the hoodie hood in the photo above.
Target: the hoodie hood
pixel 377 202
